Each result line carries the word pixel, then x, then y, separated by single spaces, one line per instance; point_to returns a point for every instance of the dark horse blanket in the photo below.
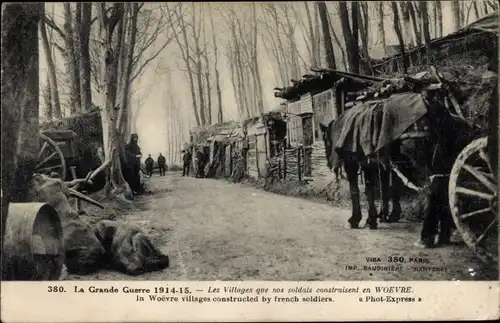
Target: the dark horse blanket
pixel 373 125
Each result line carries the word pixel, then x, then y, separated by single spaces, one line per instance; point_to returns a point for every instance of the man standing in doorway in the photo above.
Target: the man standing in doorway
pixel 162 164
pixel 149 165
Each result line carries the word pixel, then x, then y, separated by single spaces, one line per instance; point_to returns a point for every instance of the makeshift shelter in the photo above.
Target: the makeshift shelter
pixel 475 38
pixel 266 139
pixel 218 141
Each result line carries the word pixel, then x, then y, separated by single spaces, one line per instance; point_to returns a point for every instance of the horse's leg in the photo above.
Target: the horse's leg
pixel 370 171
pixel 396 187
pixel 385 183
pixel 351 168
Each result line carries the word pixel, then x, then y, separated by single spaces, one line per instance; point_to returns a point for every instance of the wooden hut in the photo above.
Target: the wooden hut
pixel 308 102
pixel 218 141
pixel 265 139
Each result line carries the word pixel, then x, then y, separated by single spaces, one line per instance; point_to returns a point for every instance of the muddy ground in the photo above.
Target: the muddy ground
pixel 215 230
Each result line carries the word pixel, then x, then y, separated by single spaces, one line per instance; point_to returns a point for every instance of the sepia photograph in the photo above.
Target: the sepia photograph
pixel 310 141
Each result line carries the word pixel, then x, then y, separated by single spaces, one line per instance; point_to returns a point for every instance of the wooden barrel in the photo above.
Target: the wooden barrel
pixel 33 247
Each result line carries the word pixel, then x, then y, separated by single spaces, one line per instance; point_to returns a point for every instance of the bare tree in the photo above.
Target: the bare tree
pixel 71 60
pixel 405 15
pixel 381 29
pixel 110 46
pixel 439 20
pixel 85 18
pixel 183 43
pixel 399 33
pixel 455 7
pixel 415 19
pixel 20 95
pixel 350 35
pixel 425 25
pixel 51 73
pixel 327 39
pixel 220 116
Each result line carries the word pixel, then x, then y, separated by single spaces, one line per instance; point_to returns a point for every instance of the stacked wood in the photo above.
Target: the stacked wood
pixel 318 161
pixel 298 163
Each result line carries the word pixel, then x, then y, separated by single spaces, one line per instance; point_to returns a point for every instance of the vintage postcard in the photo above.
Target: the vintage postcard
pixel 249 161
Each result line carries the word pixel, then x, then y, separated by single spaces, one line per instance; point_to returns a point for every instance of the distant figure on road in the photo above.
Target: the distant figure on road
pixel 187 158
pixel 162 164
pixel 134 155
pixel 201 161
pixel 149 165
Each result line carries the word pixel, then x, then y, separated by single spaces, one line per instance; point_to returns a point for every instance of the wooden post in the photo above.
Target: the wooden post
pixel 284 163
pixel 20 93
pixel 299 173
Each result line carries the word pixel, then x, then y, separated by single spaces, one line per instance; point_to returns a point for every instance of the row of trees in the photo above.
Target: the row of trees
pixel 107 47
pixel 292 37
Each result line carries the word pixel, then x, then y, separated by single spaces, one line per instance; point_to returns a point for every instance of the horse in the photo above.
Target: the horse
pixel 378 135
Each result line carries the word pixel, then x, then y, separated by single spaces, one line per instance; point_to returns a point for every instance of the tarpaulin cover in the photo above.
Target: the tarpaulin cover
pixel 372 125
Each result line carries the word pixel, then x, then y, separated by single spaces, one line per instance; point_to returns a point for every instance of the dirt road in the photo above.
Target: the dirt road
pixel 214 230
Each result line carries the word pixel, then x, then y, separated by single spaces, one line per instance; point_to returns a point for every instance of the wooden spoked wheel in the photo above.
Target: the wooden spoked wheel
pixel 473 197
pixel 50 158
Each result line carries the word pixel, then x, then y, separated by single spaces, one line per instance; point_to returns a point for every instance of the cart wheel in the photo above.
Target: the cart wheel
pixel 51 158
pixel 473 197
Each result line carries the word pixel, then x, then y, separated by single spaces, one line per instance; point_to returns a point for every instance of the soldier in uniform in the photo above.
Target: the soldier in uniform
pixel 133 154
pixel 186 159
pixel 162 164
pixel 149 165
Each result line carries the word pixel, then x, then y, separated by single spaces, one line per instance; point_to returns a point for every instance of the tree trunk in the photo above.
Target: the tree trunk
pixel 327 39
pixel 47 99
pixel 71 61
pixel 427 36
pixel 313 36
pixel 405 12
pixel 107 92
pixel 381 30
pixel 255 60
pixel 399 33
pixel 455 7
pixel 439 17
pixel 85 89
pixel 20 95
pixel 415 22
pixel 337 41
pixel 350 40
pixel 476 10
pixel 124 111
pixel 216 68
pixel 184 47
pixel 51 72
pixel 207 79
pixel 364 31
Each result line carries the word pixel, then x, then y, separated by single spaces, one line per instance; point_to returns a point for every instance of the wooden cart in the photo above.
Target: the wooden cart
pixel 473 185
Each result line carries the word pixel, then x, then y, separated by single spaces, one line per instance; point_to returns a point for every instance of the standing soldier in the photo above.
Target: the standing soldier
pixel 162 164
pixel 133 153
pixel 149 165
pixel 201 160
pixel 186 159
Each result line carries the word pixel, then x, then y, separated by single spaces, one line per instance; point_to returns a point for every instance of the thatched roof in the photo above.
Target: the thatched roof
pixel 201 135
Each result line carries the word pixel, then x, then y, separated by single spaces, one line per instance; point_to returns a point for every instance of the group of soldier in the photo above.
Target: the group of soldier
pixel 201 161
pixel 132 163
pixel 162 165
